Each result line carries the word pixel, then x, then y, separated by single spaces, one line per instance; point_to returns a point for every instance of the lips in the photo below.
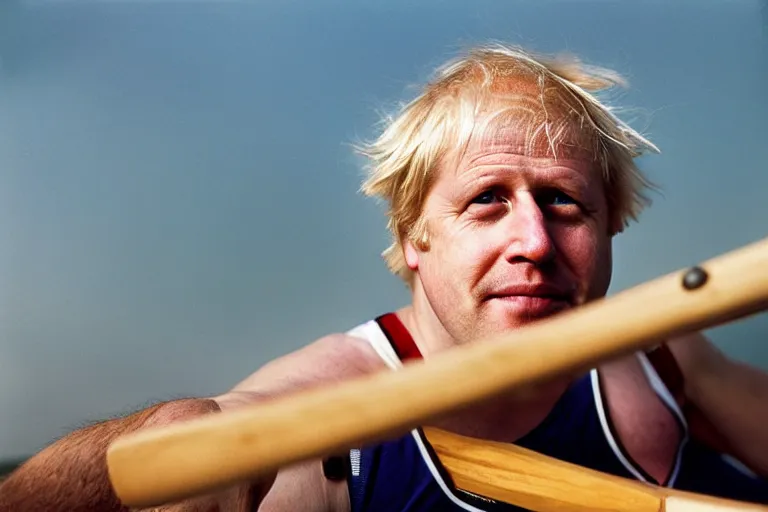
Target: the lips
pixel 531 299
pixel 542 291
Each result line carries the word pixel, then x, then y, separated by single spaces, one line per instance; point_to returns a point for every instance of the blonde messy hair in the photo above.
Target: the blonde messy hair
pixel 483 87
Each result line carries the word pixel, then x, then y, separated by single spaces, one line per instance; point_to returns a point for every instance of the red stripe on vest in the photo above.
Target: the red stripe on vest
pixel 399 337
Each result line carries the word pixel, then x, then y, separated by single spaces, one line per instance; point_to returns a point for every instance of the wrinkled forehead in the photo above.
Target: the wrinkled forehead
pixel 556 138
pixel 528 128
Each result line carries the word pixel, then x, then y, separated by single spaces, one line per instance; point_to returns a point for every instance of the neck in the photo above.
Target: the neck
pixel 420 319
pixel 505 418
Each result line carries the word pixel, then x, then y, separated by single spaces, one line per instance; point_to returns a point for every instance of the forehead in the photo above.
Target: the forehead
pixel 557 139
pixel 516 138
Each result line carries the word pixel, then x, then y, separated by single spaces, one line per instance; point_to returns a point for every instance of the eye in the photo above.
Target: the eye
pixel 486 197
pixel 556 198
pixel 487 205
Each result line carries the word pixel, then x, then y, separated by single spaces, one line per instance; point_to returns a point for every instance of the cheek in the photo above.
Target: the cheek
pixel 584 251
pixel 469 253
pixel 457 261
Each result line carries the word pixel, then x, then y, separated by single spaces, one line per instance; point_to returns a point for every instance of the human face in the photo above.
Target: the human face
pixel 514 236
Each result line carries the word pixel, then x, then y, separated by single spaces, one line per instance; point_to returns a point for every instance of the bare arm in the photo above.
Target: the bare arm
pixel 71 474
pixel 732 395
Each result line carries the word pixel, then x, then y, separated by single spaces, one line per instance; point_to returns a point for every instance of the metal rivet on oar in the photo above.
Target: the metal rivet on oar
pixel 694 277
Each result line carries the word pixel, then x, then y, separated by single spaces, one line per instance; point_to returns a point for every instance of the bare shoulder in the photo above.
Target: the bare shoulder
pixel 331 358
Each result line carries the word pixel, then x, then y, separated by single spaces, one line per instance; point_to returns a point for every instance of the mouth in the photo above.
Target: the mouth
pixel 533 302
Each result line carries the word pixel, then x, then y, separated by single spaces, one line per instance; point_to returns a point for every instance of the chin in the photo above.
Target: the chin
pixel 500 322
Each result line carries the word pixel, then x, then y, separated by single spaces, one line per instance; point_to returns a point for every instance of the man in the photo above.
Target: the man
pixel 506 180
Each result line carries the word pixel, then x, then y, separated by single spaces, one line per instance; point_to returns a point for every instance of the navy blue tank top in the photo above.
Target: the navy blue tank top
pixel 405 475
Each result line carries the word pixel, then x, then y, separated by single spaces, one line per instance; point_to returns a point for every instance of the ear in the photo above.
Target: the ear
pixel 411 255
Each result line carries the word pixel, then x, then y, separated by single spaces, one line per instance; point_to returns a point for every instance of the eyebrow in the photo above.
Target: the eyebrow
pixel 560 171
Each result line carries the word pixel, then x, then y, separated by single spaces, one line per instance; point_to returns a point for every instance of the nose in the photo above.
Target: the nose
pixel 528 238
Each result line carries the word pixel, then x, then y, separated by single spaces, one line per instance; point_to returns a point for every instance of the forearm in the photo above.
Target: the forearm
pixel 734 398
pixel 71 474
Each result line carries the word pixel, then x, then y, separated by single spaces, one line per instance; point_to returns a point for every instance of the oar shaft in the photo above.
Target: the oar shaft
pixel 167 464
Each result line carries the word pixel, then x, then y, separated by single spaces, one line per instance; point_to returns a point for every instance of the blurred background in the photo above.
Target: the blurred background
pixel 179 200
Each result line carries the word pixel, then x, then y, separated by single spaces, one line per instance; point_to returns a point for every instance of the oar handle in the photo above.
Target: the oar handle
pixel 170 463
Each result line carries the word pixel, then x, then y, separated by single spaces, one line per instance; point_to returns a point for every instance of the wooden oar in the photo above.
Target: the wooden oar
pixel 170 463
pixel 528 479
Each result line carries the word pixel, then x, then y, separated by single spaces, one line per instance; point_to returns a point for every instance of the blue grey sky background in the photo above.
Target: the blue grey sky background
pixel 179 201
